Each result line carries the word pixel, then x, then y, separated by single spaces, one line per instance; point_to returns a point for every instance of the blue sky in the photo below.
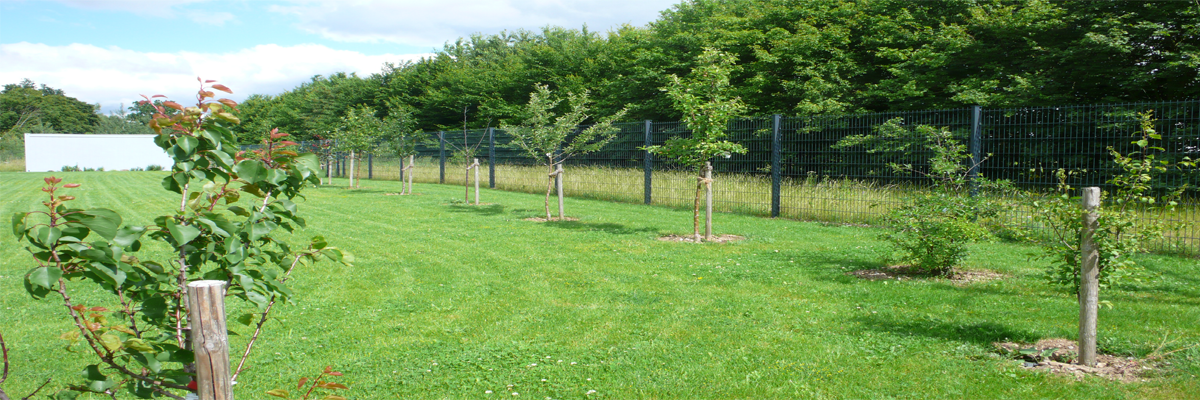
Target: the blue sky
pixel 110 51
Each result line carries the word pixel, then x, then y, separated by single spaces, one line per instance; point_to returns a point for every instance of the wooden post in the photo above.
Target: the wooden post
pixel 410 173
pixel 1089 282
pixel 206 318
pixel 558 181
pixel 708 200
pixel 476 166
pixel 351 171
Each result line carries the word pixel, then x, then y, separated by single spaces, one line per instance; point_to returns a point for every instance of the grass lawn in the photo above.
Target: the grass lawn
pixel 450 301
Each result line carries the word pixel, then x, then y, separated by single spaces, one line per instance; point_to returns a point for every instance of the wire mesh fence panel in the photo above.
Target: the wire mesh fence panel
pixel 804 167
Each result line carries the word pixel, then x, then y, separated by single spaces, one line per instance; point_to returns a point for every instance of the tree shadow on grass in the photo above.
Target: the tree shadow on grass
pixel 616 229
pixel 485 210
pixel 983 333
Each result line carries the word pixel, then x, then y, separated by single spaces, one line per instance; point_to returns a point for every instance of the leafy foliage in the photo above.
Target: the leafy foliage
pixel 139 335
pixel 706 103
pixel 1132 214
pixel 932 231
pixel 315 383
pixel 552 138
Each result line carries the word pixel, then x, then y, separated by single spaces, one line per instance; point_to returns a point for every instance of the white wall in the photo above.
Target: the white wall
pixel 51 151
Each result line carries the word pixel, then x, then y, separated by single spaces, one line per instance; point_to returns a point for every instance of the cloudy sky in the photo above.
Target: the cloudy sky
pixel 111 51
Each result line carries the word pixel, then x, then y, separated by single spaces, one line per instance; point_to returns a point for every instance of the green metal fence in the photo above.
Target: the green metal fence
pixel 793 170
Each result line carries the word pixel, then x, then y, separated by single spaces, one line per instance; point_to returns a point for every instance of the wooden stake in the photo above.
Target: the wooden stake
pixel 476 166
pixel 206 317
pixel 351 169
pixel 708 200
pixel 1089 282
pixel 558 181
pixel 410 173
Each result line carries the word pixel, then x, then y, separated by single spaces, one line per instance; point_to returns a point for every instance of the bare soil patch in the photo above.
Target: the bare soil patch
pixel 690 239
pixel 958 276
pixel 540 219
pixel 1058 356
pixel 398 194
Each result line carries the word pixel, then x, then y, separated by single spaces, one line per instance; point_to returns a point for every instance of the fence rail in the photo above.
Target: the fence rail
pixel 792 168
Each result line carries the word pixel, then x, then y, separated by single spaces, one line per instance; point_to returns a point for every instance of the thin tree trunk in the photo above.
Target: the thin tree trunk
pixel 329 169
pixel 410 173
pixel 708 200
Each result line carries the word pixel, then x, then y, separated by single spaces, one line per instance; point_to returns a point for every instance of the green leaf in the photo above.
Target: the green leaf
pixel 251 171
pixel 183 233
pixel 45 277
pixel 261 229
pixel 110 342
pixel 18 223
pixel 149 360
pixel 138 344
pixel 188 144
pixel 278 393
pixel 103 221
pixel 127 235
pixel 47 235
pixel 245 319
pixel 318 242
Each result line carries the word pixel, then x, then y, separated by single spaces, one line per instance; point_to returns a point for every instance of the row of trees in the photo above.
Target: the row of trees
pixel 791 57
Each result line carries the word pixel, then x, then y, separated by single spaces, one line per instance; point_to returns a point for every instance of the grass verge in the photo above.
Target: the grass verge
pixel 448 300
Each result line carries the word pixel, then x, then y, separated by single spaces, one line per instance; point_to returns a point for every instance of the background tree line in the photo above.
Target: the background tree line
pixel 793 57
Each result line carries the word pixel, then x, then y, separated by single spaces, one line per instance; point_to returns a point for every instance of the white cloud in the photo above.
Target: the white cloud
pixel 114 76
pixel 432 23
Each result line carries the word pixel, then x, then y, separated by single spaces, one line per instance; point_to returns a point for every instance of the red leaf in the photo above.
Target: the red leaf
pixel 209 81
pixel 335 373
pixel 228 102
pixel 328 368
pixel 300 385
pixel 49 180
pixel 331 385
pixel 78 307
pixel 288 143
pixel 159 95
pixel 207 94
pixel 222 88
pixel 173 105
pixel 71 185
pixel 99 309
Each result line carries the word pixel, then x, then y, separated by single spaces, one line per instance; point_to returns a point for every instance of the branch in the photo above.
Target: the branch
pixel 35 391
pixel 263 319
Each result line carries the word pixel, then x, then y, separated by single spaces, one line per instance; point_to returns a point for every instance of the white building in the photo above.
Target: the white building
pixel 52 151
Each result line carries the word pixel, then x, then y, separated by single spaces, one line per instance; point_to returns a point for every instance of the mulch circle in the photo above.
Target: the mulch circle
pixel 690 239
pixel 540 219
pixel 902 272
pixel 1061 361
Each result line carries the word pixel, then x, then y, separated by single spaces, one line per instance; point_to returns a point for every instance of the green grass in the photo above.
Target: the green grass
pixel 12 165
pixel 449 301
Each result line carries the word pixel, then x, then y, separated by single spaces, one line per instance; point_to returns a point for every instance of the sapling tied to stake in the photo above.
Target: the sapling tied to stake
pixel 705 100
pixel 225 226
pixel 552 139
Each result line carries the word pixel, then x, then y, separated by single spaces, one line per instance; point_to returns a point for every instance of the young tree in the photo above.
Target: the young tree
pixel 136 326
pixel 359 133
pixel 467 151
pixel 401 138
pixel 706 103
pixel 547 137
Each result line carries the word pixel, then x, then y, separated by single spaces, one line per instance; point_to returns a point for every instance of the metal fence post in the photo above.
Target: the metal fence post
pixel 442 157
pixel 648 166
pixel 776 156
pixel 491 158
pixel 975 147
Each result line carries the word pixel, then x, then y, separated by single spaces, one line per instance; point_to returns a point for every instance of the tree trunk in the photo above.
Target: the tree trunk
pixel 329 169
pixel 558 181
pixel 209 339
pixel 708 200
pixel 351 174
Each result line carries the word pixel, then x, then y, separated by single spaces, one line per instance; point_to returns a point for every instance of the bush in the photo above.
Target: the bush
pixel 68 168
pixel 154 167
